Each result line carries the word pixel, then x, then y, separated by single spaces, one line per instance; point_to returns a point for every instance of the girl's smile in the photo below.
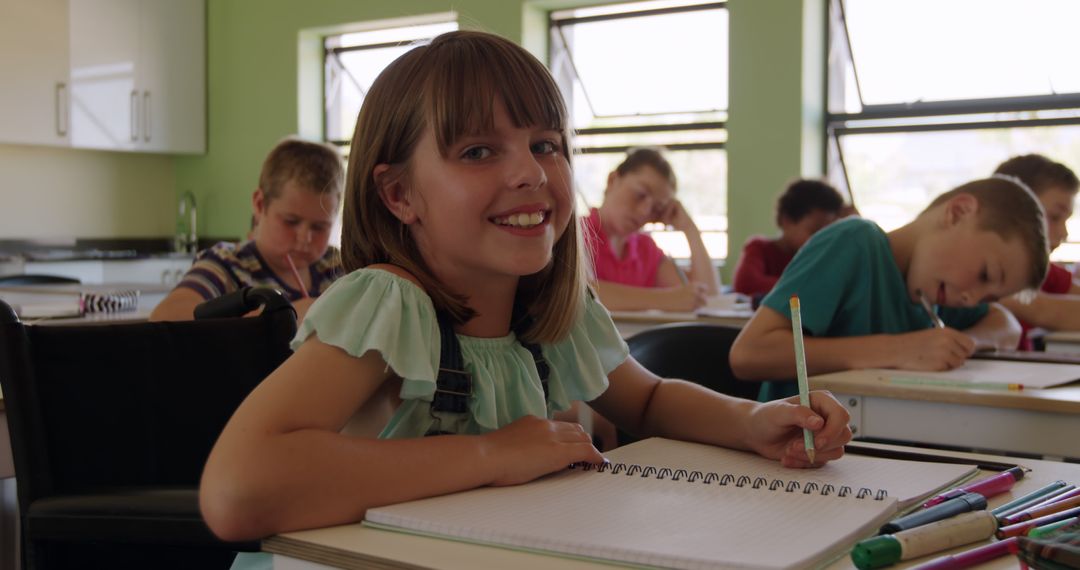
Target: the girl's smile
pixel 527 220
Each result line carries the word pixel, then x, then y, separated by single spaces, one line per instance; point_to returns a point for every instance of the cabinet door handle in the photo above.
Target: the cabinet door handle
pixel 134 115
pixel 146 116
pixel 61 109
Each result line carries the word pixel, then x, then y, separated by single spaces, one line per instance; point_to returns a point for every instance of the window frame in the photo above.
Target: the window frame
pixel 555 25
pixel 906 117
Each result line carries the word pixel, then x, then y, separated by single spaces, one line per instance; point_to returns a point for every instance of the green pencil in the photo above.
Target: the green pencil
pixel 800 368
pixel 917 381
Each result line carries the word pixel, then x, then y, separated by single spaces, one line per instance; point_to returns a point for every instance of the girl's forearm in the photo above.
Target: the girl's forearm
pixel 686 411
pixel 312 478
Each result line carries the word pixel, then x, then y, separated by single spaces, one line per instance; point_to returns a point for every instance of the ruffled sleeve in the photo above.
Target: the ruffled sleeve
pixel 372 309
pixel 581 362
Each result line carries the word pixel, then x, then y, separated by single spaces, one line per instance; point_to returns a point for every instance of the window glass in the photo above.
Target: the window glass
pixel 650 74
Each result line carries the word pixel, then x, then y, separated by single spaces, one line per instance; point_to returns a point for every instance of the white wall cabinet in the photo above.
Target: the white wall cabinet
pixel 138 75
pixel 124 75
pixel 34 71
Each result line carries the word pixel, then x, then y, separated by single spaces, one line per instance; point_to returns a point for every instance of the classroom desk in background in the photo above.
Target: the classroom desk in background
pixel 630 323
pixel 149 297
pixel 1032 421
pixel 1062 341
pixel 356 546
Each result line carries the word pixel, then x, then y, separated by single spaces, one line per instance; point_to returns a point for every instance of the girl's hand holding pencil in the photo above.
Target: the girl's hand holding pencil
pixel 776 430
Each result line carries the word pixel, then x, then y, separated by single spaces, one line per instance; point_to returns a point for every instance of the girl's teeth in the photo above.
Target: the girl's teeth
pixel 522 220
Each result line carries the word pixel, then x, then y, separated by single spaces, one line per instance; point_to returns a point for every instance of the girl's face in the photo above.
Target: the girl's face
pixel 634 199
pixel 493 206
pixel 297 223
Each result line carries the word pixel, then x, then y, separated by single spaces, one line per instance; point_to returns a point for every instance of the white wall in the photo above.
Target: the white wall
pixel 64 193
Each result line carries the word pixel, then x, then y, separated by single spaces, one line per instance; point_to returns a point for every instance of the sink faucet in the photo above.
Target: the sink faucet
pixel 185 240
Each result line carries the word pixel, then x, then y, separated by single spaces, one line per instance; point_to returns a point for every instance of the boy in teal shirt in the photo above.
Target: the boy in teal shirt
pixel 860 288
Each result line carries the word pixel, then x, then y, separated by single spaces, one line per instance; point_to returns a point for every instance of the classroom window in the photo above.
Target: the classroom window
pixel 926 95
pixel 650 74
pixel 352 62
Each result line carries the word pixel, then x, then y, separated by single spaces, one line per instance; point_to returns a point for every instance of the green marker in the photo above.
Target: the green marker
pixel 1046 530
pixel 800 368
pixel 888 549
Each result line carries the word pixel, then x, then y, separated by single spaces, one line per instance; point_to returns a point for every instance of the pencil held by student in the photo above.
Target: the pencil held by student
pixel 970 247
pixel 295 206
pixel 632 273
pixel 460 234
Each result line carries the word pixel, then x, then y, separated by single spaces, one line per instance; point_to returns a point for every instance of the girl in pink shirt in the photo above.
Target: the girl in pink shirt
pixel 632 272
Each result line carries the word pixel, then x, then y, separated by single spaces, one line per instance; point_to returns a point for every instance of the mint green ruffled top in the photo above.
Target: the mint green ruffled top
pixel 371 309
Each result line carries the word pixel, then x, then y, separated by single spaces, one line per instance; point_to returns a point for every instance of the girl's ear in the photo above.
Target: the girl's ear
pixel 960 207
pixel 394 193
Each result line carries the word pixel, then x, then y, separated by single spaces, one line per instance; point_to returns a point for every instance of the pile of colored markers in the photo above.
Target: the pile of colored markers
pixel 1042 528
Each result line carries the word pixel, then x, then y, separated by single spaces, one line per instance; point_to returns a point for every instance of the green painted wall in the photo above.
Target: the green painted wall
pixel 253 97
pixel 777 105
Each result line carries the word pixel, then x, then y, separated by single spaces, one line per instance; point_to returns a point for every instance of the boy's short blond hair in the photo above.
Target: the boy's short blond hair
pixel 1010 209
pixel 316 167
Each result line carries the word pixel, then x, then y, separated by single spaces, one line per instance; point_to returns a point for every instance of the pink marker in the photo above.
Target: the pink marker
pixel 970 558
pixel 988 487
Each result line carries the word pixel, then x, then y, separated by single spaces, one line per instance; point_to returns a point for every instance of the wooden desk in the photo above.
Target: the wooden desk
pixel 1044 422
pixel 356 546
pixel 630 323
pixel 149 297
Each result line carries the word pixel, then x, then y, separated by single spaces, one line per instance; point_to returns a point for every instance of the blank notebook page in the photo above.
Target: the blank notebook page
pixel 658 522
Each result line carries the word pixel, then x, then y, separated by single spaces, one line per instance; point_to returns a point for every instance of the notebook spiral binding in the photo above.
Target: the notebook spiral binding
pixel 111 302
pixel 724 479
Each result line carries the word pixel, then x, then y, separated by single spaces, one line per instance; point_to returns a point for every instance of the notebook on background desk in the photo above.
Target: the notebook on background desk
pixel 683 505
pixel 986 372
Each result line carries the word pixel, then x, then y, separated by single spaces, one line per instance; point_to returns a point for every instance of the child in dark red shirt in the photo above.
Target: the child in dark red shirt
pixel 805 207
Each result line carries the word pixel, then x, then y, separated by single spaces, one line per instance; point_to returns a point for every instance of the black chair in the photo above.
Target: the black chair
pixel 35 279
pixel 690 351
pixel 111 426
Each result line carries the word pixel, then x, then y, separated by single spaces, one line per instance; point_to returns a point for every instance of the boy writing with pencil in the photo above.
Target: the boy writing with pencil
pixel 860 288
pixel 295 206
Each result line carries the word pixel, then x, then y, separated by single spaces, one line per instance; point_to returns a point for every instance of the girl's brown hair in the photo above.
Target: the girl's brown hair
pixel 451 85
pixel 648 156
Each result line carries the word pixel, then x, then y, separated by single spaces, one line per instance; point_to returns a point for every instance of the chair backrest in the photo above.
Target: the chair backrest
pixel 104 406
pixel 35 279
pixel 694 352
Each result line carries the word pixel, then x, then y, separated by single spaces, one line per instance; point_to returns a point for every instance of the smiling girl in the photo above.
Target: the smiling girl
pixel 466 322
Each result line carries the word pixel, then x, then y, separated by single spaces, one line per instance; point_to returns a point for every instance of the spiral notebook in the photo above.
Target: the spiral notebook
pixel 683 505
